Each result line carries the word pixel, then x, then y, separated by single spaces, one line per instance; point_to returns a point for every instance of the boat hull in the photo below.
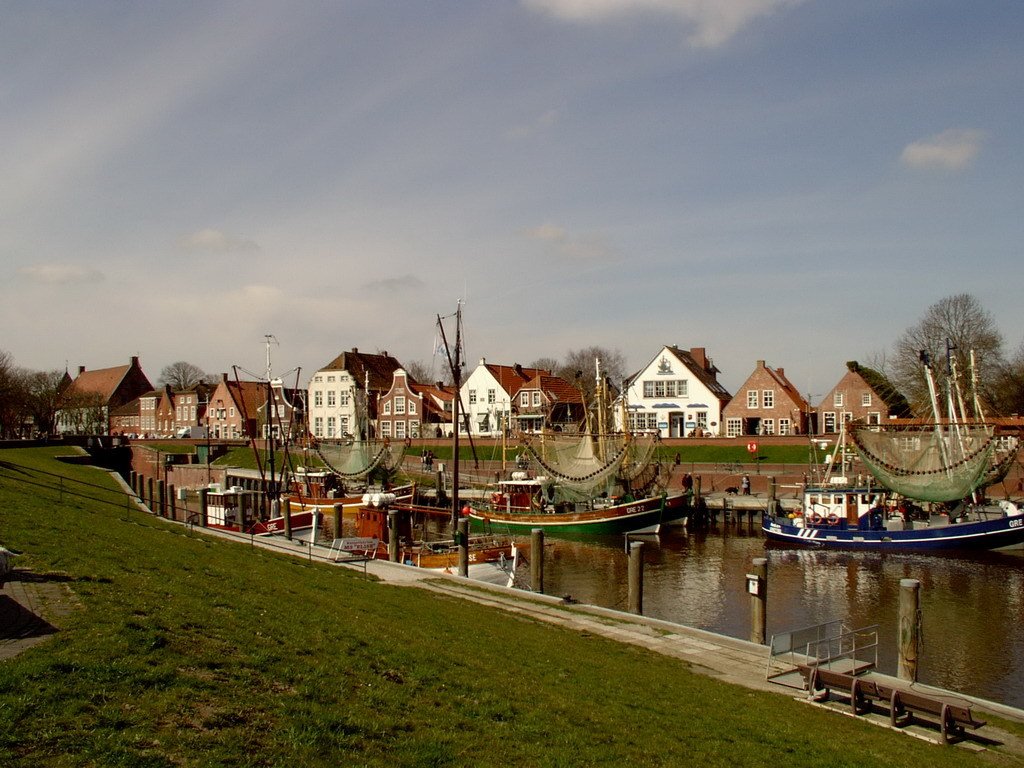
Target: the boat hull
pixel 644 515
pixel 993 533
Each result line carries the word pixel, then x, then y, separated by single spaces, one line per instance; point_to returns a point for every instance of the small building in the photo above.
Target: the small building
pixel 488 394
pixel 342 396
pixel 766 404
pixel 233 412
pixel 862 394
pixel 410 409
pixel 548 401
pixel 677 394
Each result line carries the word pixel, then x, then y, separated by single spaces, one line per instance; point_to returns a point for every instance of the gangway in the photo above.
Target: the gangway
pixel 831 645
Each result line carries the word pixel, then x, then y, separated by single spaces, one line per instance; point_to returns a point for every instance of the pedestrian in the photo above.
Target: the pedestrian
pixel 745 485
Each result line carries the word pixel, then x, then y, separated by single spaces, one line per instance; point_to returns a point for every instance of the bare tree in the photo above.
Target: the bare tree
pixel 965 326
pixel 1009 390
pixel 182 376
pixel 581 366
pixel 11 396
pixel 43 390
pixel 546 364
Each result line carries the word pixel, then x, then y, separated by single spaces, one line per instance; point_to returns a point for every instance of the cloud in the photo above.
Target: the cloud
pixel 711 22
pixel 577 248
pixel 215 241
pixel 60 274
pixel 403 283
pixel 541 123
pixel 951 150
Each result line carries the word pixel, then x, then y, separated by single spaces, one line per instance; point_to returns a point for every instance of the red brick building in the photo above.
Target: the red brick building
pixel 766 404
pixel 862 394
pixel 86 404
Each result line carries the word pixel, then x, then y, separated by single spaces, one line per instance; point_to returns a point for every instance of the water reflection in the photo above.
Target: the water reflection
pixel 973 636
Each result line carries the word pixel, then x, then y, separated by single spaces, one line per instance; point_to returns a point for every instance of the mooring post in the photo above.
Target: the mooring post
pixel 204 507
pixel 287 518
pixel 133 481
pixel 338 509
pixel 393 535
pixel 636 577
pixel 171 509
pixel 909 629
pixel 149 494
pixel 463 546
pixel 757 588
pixel 771 497
pixel 537 559
pixel 161 498
pixel 696 492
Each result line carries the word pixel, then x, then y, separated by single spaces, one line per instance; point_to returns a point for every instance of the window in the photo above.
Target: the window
pixel 785 427
pixel 414 428
pixel 330 426
pixel 330 398
pixel 400 404
pixel 751 398
pixel 768 398
pixel 642 422
pixel 830 422
pixel 412 407
pixel 490 396
pixel 343 399
pixel 343 424
pixel 536 399
pixel 399 429
pixel 318 426
pixel 659 388
pixel 387 407
pixel 874 418
pixel 318 378
pixel 682 388
pixel 385 429
pixel 837 399
pixel 472 397
pixel 767 426
pixel 733 427
pixel 193 417
pixel 702 420
pixel 231 412
pixel 524 399
pixel 648 389
pixel 865 399
pixel 330 379
pixel 318 399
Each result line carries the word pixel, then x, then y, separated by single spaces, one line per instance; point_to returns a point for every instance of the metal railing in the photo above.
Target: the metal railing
pixel 831 645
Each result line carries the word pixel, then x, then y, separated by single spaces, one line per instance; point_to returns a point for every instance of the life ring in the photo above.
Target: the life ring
pixel 814 517
pixel 497 497
pixel 833 519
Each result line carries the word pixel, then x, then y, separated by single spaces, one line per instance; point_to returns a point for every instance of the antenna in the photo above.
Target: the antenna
pixel 269 339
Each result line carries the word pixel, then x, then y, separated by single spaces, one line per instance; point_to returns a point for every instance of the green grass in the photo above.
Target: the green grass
pixel 190 651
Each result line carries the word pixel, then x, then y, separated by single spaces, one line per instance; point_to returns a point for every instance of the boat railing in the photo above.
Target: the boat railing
pixel 830 645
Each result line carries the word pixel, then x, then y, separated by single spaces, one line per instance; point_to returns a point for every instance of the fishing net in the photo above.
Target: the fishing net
pixel 357 458
pixel 930 463
pixel 584 466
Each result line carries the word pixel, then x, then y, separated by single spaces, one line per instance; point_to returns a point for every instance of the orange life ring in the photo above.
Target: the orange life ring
pixel 814 517
pixel 833 519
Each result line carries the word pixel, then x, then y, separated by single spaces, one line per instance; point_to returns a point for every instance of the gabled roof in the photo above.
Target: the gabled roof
pixel 379 367
pixel 881 386
pixel 555 388
pixel 699 364
pixel 434 398
pixel 779 376
pixel 103 382
pixel 511 378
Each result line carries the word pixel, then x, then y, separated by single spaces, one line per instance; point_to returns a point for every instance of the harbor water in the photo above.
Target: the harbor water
pixel 972 605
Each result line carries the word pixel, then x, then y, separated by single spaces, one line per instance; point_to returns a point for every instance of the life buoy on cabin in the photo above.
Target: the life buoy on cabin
pixel 833 519
pixel 814 517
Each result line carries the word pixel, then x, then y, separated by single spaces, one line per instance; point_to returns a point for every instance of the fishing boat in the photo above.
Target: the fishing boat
pixel 593 483
pixel 926 491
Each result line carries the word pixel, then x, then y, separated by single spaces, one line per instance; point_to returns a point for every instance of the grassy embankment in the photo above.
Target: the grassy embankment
pixel 189 651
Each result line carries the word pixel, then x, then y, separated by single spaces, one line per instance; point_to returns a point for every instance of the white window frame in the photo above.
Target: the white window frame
pixel 752 398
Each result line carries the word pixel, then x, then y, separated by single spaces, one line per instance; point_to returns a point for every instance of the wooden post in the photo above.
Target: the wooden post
pixel 393 535
pixel 909 629
pixel 757 587
pixel 171 511
pixel 338 509
pixel 537 559
pixel 771 497
pixel 133 481
pixel 287 518
pixel 204 507
pixel 463 546
pixel 161 498
pixel 636 577
pixel 149 494
pixel 696 492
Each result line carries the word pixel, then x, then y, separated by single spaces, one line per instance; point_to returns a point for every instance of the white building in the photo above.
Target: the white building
pixel 338 390
pixel 488 394
pixel 677 394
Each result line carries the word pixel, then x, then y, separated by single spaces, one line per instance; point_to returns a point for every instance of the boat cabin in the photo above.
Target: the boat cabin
pixel 233 508
pixel 846 507
pixel 522 494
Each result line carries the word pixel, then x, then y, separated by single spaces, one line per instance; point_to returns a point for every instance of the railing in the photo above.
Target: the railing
pixel 830 645
pixel 46 483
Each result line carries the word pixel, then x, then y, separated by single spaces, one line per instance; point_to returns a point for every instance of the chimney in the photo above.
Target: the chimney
pixel 760 364
pixel 355 350
pixel 135 361
pixel 781 372
pixel 224 378
pixel 518 369
pixel 81 370
pixel 699 356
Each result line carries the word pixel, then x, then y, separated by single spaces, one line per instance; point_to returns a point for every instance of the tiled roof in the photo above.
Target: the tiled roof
pixel 380 367
pixel 555 387
pixel 513 377
pixel 102 382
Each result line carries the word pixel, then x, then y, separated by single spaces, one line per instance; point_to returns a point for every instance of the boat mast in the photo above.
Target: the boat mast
pixel 272 490
pixel 933 395
pixel 600 396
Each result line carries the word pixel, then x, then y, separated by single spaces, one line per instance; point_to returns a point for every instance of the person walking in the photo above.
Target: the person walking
pixel 745 485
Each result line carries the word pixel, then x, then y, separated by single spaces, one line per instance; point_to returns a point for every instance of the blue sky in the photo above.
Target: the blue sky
pixel 787 180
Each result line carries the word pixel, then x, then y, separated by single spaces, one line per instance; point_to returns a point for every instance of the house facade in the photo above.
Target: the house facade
pixel 766 404
pixel 409 409
pixel 677 394
pixel 233 410
pixel 862 394
pixel 86 404
pixel 342 396
pixel 548 401
pixel 488 394
pixel 190 408
pixel 287 414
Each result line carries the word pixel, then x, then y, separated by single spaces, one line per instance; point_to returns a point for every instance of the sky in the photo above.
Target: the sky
pixel 794 181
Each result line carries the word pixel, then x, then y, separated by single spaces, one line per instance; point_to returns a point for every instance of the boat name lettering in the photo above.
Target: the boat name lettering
pixel 1016 523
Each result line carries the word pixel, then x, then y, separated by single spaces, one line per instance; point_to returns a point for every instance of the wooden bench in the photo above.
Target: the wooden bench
pixel 904 704
pixel 353 551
